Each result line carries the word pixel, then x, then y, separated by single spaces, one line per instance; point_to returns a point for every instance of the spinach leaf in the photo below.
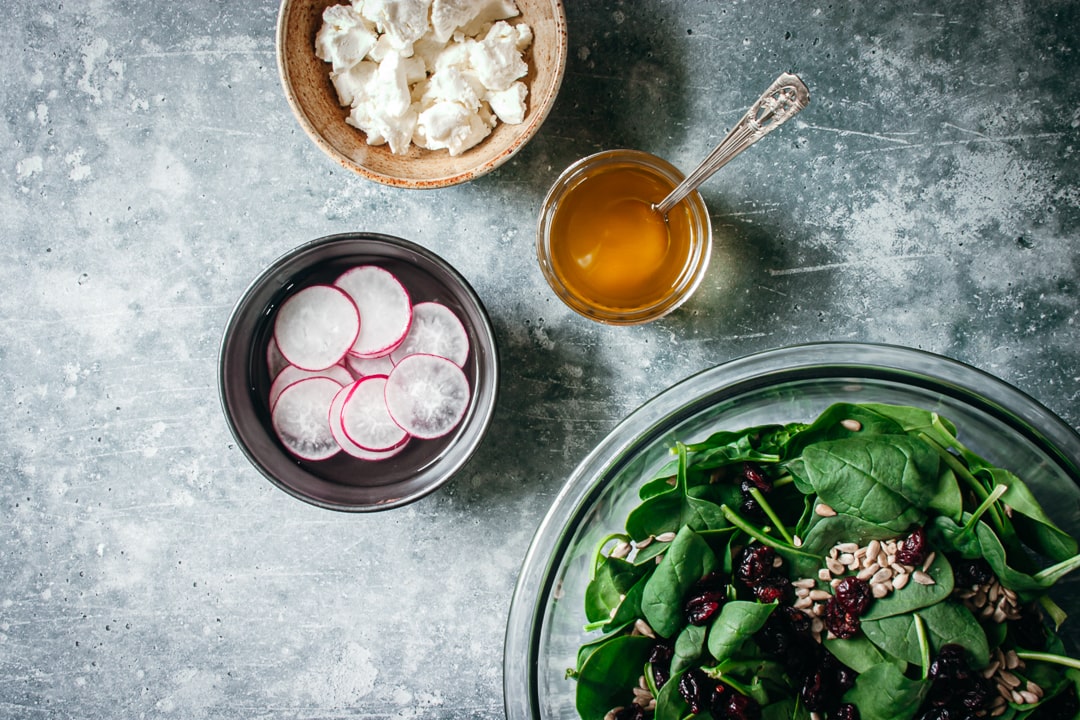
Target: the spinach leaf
pixel 727 447
pixel 738 620
pixel 982 541
pixel 669 702
pixel 630 608
pixel 912 420
pixel 689 646
pixel 674 509
pixel 590 647
pixel 823 533
pixel 859 654
pixel 607 678
pixel 1035 528
pixel 914 596
pixel 883 692
pixel 882 479
pixel 829 426
pixel 613 579
pixel 686 561
pixel 946 622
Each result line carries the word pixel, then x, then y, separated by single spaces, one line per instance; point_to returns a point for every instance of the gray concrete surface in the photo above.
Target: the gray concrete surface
pixel 929 197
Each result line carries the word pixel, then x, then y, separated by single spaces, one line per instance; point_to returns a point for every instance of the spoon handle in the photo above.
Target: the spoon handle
pixel 782 101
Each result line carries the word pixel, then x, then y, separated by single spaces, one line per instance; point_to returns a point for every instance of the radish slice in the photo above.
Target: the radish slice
pixel 362 367
pixel 427 395
pixel 384 305
pixel 345 442
pixel 291 374
pixel 301 418
pixel 435 330
pixel 316 327
pixel 365 419
pixel 275 361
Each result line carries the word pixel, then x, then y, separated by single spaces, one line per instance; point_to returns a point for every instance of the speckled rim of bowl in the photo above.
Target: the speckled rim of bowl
pixel 241 351
pixel 543 100
pixel 707 388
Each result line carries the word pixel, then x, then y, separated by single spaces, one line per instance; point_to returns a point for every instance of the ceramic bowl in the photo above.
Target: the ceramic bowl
pixel 343 482
pixel 306 81
pixel 997 421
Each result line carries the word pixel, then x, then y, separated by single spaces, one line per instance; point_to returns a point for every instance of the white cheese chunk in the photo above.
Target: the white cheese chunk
pixel 402 21
pixel 450 126
pixel 509 104
pixel 496 58
pixel 344 39
pixel 448 16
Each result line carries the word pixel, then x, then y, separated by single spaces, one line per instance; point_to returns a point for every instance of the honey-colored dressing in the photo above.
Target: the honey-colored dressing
pixel 610 248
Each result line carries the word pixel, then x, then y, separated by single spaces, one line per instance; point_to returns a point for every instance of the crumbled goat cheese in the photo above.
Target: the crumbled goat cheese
pixel 437 73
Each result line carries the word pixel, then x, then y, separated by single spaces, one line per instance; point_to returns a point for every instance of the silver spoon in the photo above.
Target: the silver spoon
pixel 781 102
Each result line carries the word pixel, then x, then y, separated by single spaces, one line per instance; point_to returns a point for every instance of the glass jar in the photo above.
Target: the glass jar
pixel 607 254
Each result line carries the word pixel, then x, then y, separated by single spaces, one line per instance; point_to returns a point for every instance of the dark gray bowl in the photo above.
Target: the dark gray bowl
pixel 344 483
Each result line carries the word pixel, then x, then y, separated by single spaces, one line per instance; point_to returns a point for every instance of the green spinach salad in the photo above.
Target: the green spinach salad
pixel 864 565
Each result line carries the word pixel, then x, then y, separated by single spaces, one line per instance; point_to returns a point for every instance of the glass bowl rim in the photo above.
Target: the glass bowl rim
pixel 642 426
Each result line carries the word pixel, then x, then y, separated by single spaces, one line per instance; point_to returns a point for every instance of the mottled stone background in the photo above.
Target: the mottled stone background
pixel 929 197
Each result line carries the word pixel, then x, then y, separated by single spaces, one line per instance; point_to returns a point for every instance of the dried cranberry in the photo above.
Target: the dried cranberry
pixel 970 573
pixel 776 588
pixel 774 637
pixel 660 662
pixel 702 606
pixel 949 664
pixel 840 622
pixel 756 475
pixel 755 563
pixel 751 508
pixel 915 548
pixel 847 711
pixel 692 686
pixel 741 707
pixel 938 713
pixel 815 691
pixel 854 595
pixel 844 677
pixel 719 700
pixel 797 620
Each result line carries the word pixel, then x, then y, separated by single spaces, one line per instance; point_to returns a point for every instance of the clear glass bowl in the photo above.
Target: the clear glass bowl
pixel 1004 425
pixel 672 286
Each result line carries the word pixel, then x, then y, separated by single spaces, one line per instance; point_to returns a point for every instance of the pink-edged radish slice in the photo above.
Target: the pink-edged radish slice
pixel 345 442
pixel 301 418
pixel 435 330
pixel 362 367
pixel 316 326
pixel 365 418
pixel 275 361
pixel 384 305
pixel 427 395
pixel 290 374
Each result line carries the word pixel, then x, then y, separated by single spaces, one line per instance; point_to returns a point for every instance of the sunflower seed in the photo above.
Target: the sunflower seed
pixel 804 583
pixel 796 541
pixel 621 550
pixel 848 547
pixel 1009 679
pixel 1012 660
pixel 666 536
pixel 645 542
pixel 922 578
pixel 881 576
pixel 643 627
pixel 803 603
pixel 851 424
pixel 929 561
pixel 900 580
pixel 819 595
pixel 879 590
pixel 824 510
pixel 835 566
pixel 824 575
pixel 868 572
